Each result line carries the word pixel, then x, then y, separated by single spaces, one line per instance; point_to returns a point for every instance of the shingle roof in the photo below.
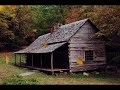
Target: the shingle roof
pixel 40 40
pixel 65 32
pixel 62 34
pixel 43 49
pixel 46 49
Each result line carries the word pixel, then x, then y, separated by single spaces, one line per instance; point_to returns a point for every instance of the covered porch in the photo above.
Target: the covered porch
pixel 53 61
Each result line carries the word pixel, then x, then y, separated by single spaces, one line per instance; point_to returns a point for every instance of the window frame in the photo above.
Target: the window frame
pixel 85 55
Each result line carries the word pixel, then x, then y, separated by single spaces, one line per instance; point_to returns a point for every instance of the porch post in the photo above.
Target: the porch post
pixel 32 60
pixel 52 63
pixel 20 59
pixel 15 59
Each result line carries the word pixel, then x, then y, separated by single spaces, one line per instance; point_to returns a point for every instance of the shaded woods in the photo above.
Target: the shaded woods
pixel 22 24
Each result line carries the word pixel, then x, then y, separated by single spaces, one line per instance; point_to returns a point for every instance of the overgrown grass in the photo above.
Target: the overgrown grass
pixel 9 75
pixel 19 80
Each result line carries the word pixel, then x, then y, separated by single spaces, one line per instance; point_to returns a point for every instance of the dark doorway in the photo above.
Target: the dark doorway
pixel 60 57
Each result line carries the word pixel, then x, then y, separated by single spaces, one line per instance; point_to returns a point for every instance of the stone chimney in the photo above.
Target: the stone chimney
pixel 55 27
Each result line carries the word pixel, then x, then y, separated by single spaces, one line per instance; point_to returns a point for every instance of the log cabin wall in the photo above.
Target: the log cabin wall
pixel 83 41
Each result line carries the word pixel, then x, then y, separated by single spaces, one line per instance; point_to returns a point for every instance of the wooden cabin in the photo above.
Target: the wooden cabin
pixel 72 47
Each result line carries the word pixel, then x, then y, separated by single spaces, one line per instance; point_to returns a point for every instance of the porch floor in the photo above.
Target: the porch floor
pixel 43 69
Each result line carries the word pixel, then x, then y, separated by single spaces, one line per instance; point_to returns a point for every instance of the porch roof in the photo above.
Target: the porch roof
pixel 42 48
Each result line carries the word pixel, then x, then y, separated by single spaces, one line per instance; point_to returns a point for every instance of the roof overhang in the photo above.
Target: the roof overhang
pixel 42 49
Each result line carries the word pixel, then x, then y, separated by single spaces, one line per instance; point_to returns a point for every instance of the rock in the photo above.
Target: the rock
pixel 56 74
pixel 61 71
pixel 97 73
pixel 65 73
pixel 85 74
pixel 27 73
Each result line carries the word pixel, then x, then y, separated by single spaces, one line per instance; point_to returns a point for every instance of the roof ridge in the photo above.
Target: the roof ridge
pixel 75 22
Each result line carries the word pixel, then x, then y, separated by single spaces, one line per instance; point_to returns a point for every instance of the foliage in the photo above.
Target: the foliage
pixel 19 80
pixel 6 35
pixel 15 79
pixel 47 16
pixel 20 24
pixel 105 17
pixel 14 27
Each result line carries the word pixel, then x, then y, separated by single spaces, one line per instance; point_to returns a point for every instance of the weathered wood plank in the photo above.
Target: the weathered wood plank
pixel 86 45
pixel 87 36
pixel 86 48
pixel 75 53
pixel 82 34
pixel 81 69
pixel 99 58
pixel 74 56
pixel 72 41
pixel 74 64
pixel 89 48
pixel 73 59
pixel 20 59
pixel 87 65
pixel 97 61
pixel 81 45
pixel 84 63
pixel 87 28
pixel 100 53
pixel 15 59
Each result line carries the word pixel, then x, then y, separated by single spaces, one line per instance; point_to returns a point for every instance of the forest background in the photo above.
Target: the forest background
pixel 20 25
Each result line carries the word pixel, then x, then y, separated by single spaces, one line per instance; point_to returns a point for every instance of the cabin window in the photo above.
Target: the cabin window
pixel 89 55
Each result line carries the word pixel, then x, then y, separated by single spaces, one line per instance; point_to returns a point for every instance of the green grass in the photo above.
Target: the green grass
pixel 9 75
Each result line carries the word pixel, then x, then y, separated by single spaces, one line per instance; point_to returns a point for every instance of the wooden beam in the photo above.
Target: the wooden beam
pixel 24 58
pixel 15 59
pixel 20 59
pixel 52 63
pixel 69 61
